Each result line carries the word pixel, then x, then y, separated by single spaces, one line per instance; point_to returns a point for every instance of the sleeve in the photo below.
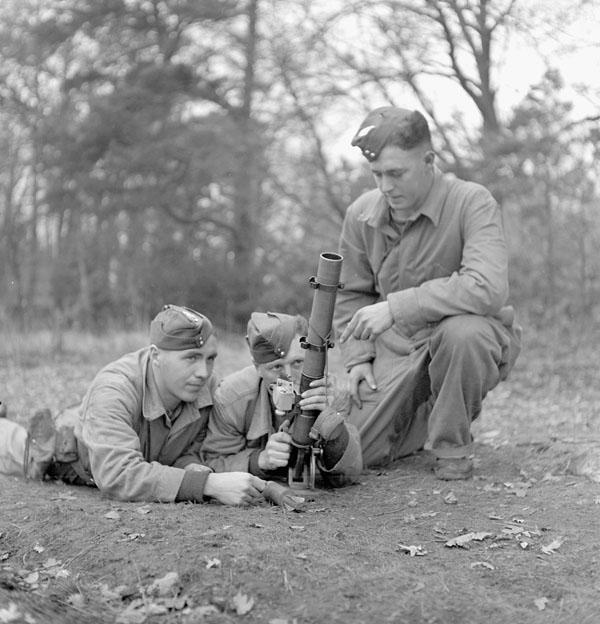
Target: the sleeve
pixel 359 289
pixel 479 286
pixel 225 448
pixel 113 447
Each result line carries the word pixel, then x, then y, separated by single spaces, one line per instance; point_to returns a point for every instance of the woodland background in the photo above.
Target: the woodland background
pixel 198 152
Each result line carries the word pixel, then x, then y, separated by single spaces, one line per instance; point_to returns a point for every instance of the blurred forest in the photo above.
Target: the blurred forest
pixel 197 151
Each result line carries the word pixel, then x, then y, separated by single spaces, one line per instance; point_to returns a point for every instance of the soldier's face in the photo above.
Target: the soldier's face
pixel 289 365
pixel 404 177
pixel 181 375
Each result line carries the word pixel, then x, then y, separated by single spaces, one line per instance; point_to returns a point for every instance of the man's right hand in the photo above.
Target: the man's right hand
pixel 276 453
pixel 234 488
pixel 356 374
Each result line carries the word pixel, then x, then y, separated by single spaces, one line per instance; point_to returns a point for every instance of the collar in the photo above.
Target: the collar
pixel 262 420
pixel 152 406
pixel 377 214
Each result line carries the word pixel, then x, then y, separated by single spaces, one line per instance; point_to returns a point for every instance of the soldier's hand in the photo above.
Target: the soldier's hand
pixel 234 488
pixel 276 453
pixel 319 395
pixel 356 374
pixel 368 322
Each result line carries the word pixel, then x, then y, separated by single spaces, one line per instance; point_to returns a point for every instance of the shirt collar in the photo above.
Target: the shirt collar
pixel 152 406
pixel 262 421
pixel 377 215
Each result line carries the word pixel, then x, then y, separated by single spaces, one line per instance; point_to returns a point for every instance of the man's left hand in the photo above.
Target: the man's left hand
pixel 368 322
pixel 319 395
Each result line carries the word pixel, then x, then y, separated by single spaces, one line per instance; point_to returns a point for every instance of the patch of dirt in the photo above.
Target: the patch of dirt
pixel 374 552
pixel 347 558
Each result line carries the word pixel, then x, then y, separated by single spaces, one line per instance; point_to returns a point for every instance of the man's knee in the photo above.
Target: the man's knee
pixel 465 332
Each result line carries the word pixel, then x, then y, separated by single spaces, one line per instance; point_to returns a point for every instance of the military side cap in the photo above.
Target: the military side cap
pixel 176 328
pixel 382 122
pixel 270 335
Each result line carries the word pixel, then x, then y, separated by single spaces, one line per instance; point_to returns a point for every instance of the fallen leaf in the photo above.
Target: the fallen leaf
pixel 257 525
pixel 482 564
pixel 38 548
pixel 12 614
pixel 541 603
pixel 76 600
pixel 4 556
pixel 553 546
pixel 50 563
pixel 462 540
pixel 165 586
pixel 32 578
pixel 112 515
pixel 213 563
pixel 146 509
pixel 524 545
pixel 241 603
pixel 450 499
pixel 491 487
pixel 297 527
pixel 413 551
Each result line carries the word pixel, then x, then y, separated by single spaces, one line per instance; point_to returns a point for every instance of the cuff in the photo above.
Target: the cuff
pixel 192 487
pixel 253 467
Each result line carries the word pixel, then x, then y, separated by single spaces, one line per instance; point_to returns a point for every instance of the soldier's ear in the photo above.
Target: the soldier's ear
pixel 429 157
pixel 154 355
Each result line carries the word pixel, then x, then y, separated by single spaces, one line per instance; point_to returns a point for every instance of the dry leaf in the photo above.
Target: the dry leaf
pixel 463 540
pixel 38 548
pixel 241 603
pixel 12 614
pixel 112 515
pixel 76 600
pixel 450 499
pixel 168 585
pixel 553 546
pixel 144 510
pixel 541 603
pixel 4 556
pixel 414 551
pixel 482 564
pixel 213 563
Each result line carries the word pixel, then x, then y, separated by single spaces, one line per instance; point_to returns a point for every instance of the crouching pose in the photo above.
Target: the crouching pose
pixel 247 431
pixel 138 432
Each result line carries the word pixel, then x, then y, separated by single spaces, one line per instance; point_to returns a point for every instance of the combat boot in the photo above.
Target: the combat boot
pixel 40 445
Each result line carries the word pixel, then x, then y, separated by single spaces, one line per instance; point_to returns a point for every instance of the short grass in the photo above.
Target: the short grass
pixel 343 560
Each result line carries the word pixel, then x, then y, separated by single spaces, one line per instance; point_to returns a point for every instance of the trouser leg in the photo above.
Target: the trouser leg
pixel 469 355
pixel 392 421
pixel 13 438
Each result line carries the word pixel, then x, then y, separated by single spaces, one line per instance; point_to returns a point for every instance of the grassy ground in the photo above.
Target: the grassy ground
pixel 380 551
